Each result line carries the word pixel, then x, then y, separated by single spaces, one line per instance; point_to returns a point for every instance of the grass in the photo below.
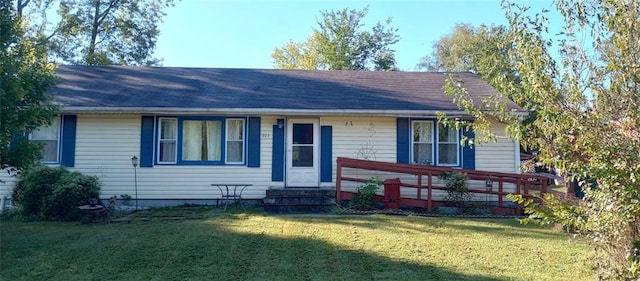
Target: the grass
pixel 214 245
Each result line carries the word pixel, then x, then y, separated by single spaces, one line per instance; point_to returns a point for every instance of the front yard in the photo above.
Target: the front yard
pixel 216 245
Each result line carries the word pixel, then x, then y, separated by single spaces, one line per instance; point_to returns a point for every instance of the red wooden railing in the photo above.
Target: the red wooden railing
pixel 525 184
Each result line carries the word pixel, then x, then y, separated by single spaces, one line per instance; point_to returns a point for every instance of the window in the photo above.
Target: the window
pixel 423 142
pixel 48 136
pixel 167 140
pixel 447 145
pixel 235 141
pixel 425 147
pixel 203 140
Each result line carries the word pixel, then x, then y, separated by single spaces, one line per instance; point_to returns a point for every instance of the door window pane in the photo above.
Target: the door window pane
pixel 302 133
pixel 302 156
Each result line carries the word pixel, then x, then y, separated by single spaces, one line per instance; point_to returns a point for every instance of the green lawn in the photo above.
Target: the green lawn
pixel 215 245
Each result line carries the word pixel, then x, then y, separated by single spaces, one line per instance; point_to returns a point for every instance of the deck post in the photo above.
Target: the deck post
pixel 419 186
pixel 429 191
pixel 500 189
pixel 518 191
pixel 338 182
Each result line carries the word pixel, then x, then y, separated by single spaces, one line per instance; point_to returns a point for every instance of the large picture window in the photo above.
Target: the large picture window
pixel 192 140
pixel 428 144
pixel 50 138
pixel 201 140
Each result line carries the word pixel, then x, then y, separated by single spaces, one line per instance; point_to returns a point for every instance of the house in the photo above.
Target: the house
pixel 191 127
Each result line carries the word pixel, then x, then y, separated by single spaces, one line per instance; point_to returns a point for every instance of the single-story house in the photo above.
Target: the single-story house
pixel 191 127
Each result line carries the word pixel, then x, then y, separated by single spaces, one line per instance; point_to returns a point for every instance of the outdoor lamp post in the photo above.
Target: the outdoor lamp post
pixel 134 162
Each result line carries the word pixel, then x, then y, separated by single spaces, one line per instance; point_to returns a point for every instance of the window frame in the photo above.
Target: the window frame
pixel 435 143
pixel 433 140
pixel 223 139
pixel 243 140
pixel 58 141
pixel 159 141
pixel 457 143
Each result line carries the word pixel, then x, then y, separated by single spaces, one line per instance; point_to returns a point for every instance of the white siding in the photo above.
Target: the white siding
pixel 497 156
pixel 105 144
pixel 372 138
pixel 6 184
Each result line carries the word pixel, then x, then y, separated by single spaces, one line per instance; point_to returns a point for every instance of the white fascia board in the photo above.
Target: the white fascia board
pixel 254 111
pixel 266 111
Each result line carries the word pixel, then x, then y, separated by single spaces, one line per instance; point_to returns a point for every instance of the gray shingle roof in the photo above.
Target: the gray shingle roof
pixel 132 88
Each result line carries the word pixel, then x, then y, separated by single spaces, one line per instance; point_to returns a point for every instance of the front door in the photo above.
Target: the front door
pixel 302 153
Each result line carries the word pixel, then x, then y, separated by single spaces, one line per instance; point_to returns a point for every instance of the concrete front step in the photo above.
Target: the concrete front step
pixel 299 200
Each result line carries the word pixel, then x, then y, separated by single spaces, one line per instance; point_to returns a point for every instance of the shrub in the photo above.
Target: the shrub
pixel 362 199
pixel 457 186
pixel 48 193
pixel 553 210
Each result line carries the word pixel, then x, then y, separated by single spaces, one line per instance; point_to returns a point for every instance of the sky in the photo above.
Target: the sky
pixel 244 33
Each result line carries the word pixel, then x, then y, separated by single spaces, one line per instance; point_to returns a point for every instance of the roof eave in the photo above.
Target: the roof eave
pixel 266 111
pixel 257 111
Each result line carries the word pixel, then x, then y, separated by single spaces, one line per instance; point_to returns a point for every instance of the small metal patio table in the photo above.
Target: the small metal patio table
pixel 231 192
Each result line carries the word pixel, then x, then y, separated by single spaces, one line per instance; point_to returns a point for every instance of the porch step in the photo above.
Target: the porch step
pixel 299 200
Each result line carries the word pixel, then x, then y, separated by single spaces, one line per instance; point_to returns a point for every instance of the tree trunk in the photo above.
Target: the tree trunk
pixel 90 58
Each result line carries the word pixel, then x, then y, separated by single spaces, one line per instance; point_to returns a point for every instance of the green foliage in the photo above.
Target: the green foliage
pixel 339 44
pixel 25 105
pixel 47 193
pixel 587 119
pixel 457 186
pixel 98 32
pixel 362 199
pixel 552 210
pixel 126 199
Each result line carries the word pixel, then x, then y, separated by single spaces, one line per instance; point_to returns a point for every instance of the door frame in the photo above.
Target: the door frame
pixel 290 179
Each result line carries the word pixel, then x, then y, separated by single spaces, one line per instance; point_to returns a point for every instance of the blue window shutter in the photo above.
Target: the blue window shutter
pixel 468 151
pixel 68 144
pixel 146 141
pixel 253 146
pixel 403 143
pixel 277 153
pixel 326 154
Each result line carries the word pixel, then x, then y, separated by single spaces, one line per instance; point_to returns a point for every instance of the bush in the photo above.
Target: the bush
pixel 457 186
pixel 47 193
pixel 362 199
pixel 553 210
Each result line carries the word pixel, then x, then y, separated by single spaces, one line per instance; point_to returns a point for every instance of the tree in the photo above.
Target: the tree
pixel 588 119
pixel 482 50
pixel 98 32
pixel 25 105
pixel 294 55
pixel 339 44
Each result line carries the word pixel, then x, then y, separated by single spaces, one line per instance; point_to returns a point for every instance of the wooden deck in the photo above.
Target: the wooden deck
pixel 529 185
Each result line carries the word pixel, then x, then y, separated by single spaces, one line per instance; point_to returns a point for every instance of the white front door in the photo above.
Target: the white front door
pixel 302 153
